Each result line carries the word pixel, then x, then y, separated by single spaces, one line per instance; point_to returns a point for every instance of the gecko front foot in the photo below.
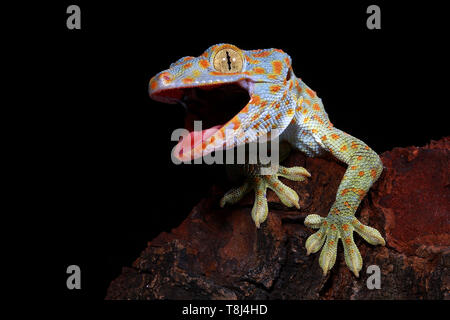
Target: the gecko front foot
pixel 260 183
pixel 333 228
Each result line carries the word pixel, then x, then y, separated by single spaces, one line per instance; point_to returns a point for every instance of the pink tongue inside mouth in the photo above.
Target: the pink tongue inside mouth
pixel 193 139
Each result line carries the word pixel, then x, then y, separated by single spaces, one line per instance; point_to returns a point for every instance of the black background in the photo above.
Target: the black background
pixel 110 185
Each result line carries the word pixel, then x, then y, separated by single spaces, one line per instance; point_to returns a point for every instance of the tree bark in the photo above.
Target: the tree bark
pixel 219 254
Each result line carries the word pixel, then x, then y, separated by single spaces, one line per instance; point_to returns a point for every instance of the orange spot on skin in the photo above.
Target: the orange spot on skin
pixel 353 167
pixel 359 192
pixel 317 118
pixel 307 101
pixel 335 211
pixel 325 223
pixel 263 104
pixel 259 70
pixel 298 109
pixel 236 122
pixel 286 60
pixel 245 109
pixel 373 173
pixel 277 106
pixel 344 148
pixel 256 100
pixel 290 112
pixel 305 120
pixel 316 107
pixel 251 60
pixel 262 54
pixel 314 130
pixel 311 93
pixel 331 243
pixel 267 117
pixel 153 85
pixel 204 54
pixel 291 85
pixel 324 138
pixel 272 76
pixel 361 173
pixel 359 157
pixel 345 227
pixel 277 66
pixel 305 111
pixel 211 140
pixel 335 136
pixel 187 80
pixel 187 66
pixel 348 241
pixel 333 227
pixel 221 133
pixel 278 116
pixel 255 126
pixel 354 145
pixel 203 63
pixel 255 116
pixel 366 148
pixel 347 205
pixel 275 88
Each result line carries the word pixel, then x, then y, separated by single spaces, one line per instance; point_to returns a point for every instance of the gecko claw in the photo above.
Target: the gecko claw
pixel 331 230
pixel 235 195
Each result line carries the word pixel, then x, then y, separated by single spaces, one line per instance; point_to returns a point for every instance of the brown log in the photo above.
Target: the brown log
pixel 219 254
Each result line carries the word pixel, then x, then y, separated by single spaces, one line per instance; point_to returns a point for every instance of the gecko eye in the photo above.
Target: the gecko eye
pixel 228 60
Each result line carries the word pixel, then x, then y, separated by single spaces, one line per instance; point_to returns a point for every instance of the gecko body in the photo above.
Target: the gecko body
pixel 273 102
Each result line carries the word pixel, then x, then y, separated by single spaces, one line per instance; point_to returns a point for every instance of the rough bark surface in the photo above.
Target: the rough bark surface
pixel 219 254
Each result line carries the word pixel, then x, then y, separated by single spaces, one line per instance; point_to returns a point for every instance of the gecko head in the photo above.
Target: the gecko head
pixel 231 92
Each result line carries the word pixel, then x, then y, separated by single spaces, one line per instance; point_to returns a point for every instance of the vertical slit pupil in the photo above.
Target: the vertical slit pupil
pixel 228 60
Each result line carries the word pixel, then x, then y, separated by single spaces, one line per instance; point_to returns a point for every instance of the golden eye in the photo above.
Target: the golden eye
pixel 228 60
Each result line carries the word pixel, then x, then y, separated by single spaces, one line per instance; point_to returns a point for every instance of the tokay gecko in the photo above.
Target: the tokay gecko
pixel 237 92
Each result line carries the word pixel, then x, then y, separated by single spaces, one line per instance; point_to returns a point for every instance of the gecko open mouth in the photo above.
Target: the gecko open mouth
pixel 213 105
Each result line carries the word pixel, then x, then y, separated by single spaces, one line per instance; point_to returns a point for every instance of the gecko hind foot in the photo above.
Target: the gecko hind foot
pixel 333 228
pixel 260 183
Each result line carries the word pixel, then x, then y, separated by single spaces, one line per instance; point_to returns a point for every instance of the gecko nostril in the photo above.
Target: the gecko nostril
pixel 166 77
